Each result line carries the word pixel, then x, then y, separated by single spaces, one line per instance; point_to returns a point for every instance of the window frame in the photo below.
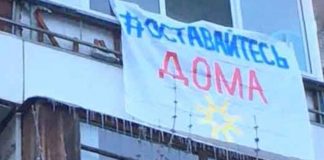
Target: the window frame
pixel 315 90
pixel 101 15
pixel 309 37
pixel 235 12
pixel 317 110
pixel 305 12
pixel 302 25
pixel 310 40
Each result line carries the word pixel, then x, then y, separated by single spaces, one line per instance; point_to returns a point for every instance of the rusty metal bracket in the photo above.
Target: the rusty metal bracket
pixel 41 23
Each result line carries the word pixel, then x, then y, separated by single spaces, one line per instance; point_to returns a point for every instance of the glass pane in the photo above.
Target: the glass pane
pixel 216 11
pixel 86 155
pixel 89 135
pixel 321 101
pixel 102 6
pixel 149 5
pixel 280 19
pixel 310 99
pixel 318 13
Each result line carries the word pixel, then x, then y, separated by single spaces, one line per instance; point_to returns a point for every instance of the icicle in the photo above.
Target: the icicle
pixel 112 121
pixel 189 145
pixel 151 134
pixel 87 116
pixel 215 153
pixel 53 105
pixel 159 137
pixel 162 136
pixel 70 109
pixel 116 122
pixel 144 132
pixel 139 134
pixel 105 120
pixel 74 112
pixel 194 146
pixel 203 147
pixel 124 126
pixel 92 116
pixel 171 140
pixel 102 121
pixel 131 128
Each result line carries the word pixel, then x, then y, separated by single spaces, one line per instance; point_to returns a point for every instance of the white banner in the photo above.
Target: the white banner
pixel 213 81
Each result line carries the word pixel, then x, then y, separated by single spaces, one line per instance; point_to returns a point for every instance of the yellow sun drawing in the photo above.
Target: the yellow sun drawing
pixel 225 128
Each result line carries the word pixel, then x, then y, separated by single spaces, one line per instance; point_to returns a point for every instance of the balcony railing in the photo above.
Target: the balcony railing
pixel 110 56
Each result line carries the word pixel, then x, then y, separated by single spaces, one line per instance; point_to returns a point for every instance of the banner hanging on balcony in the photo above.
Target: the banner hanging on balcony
pixel 213 81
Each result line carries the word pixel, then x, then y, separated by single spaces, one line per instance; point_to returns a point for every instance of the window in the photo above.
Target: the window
pixel 315 99
pixel 102 6
pixel 290 21
pixel 5 12
pixel 280 19
pixel 314 91
pixel 8 134
pixel 318 13
pixel 216 11
pixel 149 5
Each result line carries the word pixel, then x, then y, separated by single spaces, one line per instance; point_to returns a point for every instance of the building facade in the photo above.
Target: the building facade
pixel 62 70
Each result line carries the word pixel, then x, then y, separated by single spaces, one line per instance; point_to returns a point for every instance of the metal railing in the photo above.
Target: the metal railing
pixel 117 55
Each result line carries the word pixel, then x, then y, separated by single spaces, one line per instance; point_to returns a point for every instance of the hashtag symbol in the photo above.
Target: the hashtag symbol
pixel 132 23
